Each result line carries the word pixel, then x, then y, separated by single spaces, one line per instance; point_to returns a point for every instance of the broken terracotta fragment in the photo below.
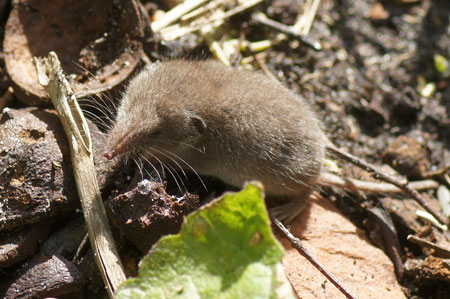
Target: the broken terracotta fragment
pixel 98 42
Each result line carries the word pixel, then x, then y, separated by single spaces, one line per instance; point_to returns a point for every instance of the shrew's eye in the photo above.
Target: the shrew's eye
pixel 155 133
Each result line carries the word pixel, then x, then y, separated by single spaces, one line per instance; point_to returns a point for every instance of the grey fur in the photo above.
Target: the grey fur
pixel 232 124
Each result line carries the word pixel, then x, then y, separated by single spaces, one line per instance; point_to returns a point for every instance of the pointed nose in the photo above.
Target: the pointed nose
pixel 110 154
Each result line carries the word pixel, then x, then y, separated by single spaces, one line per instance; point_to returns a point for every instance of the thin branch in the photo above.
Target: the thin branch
pixel 304 23
pixel 439 251
pixel 296 243
pixel 260 60
pixel 175 13
pixel 217 19
pixel 263 19
pixel 328 179
pixel 441 171
pixel 51 77
pixel 387 178
pixel 77 256
pixel 203 9
pixel 430 218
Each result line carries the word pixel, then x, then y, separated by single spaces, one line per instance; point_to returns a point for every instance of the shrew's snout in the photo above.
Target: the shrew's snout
pixel 110 154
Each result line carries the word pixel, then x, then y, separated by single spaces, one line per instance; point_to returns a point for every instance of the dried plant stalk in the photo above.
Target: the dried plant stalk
pixel 51 77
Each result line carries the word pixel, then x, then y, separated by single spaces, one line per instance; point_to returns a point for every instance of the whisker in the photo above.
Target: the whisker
pixel 139 166
pixel 84 69
pixel 148 175
pixel 174 175
pixel 100 120
pixel 126 161
pixel 163 166
pixel 151 164
pixel 171 171
pixel 182 190
pixel 101 115
pixel 171 159
pixel 109 105
pixel 106 92
pixel 189 166
pixel 104 102
pixel 107 98
pixel 102 108
pixel 89 103
pixel 178 142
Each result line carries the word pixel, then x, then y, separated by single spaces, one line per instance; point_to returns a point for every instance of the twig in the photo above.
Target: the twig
pixel 203 9
pixel 441 171
pixel 387 178
pixel 216 20
pixel 217 50
pixel 51 77
pixel 175 13
pixel 304 23
pixel 263 66
pixel 235 10
pixel 296 243
pixel 263 19
pixel 147 61
pixel 77 256
pixel 328 179
pixel 439 251
pixel 208 32
pixel 430 218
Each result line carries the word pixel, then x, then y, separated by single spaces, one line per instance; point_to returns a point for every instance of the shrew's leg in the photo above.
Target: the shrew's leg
pixel 288 211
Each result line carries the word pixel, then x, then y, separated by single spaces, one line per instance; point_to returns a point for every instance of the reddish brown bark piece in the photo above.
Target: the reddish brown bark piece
pixel 36 179
pixel 46 277
pixel 103 37
pixel 147 212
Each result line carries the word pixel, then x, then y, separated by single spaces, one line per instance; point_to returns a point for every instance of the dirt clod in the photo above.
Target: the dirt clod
pixel 19 244
pixel 147 212
pixel 46 277
pixel 36 180
pixel 407 156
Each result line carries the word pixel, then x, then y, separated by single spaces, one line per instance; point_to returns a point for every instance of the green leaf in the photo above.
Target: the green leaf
pixel 224 250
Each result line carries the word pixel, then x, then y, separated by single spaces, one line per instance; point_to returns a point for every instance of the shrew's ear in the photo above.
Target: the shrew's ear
pixel 196 124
